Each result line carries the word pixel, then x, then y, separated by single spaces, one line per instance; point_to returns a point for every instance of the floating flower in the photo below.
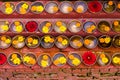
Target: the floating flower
pixel 4 26
pixel 89 58
pixel 32 41
pixel 116 26
pixel 64 42
pixel 3 58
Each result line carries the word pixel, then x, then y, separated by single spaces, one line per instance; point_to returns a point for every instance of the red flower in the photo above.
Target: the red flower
pixel 95 6
pixel 3 58
pixel 89 58
pixel 31 26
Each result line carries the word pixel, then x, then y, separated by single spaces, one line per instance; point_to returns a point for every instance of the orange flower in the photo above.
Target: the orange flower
pixel 60 39
pixel 102 40
pixel 30 40
pixel 78 24
pixel 116 23
pixel 7 4
pixel 118 5
pixel 55 8
pixel 48 24
pixel 17 23
pixel 71 57
pixel 3 38
pixel 70 9
pixel 87 41
pixel 14 56
pixel 45 57
pixel 110 3
pixel 106 28
pixel 32 60
pixel 89 30
pixel 34 8
pixel 52 40
pixel 15 42
pixel 56 62
pixel 59 23
pixel 102 55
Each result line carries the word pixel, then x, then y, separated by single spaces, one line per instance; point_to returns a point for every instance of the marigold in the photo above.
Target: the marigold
pixel 60 39
pixel 76 61
pixel 40 8
pixel 105 60
pixel 17 23
pixel 110 3
pixel 116 60
pixel 59 23
pixel 30 40
pixel 19 28
pixel 65 42
pixel 35 41
pixel 14 56
pixel 62 60
pixel 79 9
pixel 87 41
pixel 44 63
pixel 15 42
pixel 34 8
pixel 71 57
pixel 78 24
pixel 7 4
pixel 48 24
pixel 8 10
pixel 70 9
pixel 55 8
pixel 106 28
pixel 45 57
pixel 7 41
pixel 118 5
pixel 102 55
pixel 45 29
pixel 5 27
pixel 102 40
pixel 3 38
pixel 25 6
pixel 116 23
pixel 63 28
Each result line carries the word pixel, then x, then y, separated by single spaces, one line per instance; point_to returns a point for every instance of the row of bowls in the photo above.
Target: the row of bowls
pixel 65 7
pixel 59 26
pixel 59 59
pixel 61 41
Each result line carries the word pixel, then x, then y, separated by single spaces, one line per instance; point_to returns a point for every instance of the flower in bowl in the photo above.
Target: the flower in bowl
pixel 109 6
pixel 15 59
pixel 104 59
pixel 8 8
pixel 116 41
pixel 89 27
pixel 18 41
pixel 44 60
pixel 116 59
pixel 4 26
pixel 116 26
pixel 60 27
pixel 5 41
pixel 45 27
pixel 75 26
pixel 66 7
pixel 76 41
pixel 62 41
pixel 74 59
pixel 37 7
pixel 47 41
pixel 90 42
pixel 29 59
pixel 89 58
pixel 104 26
pixel 105 41
pixel 22 7
pixel 17 27
pixel 3 58
pixel 32 41
pixel 59 59
pixel 51 7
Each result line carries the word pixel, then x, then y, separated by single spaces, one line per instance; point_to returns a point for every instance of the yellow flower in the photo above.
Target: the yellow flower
pixel 45 29
pixel 47 39
pixel 16 61
pixel 62 60
pixel 76 61
pixel 107 39
pixel 5 27
pixel 35 41
pixel 105 60
pixel 44 63
pixel 40 8
pixel 7 41
pixel 8 10
pixel 26 59
pixel 19 28
pixel 20 38
pixel 116 60
pixel 64 42
pixel 63 28
pixel 25 6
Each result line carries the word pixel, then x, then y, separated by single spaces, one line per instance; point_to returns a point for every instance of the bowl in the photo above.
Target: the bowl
pixel 76 41
pixel 32 41
pixel 37 7
pixel 80 6
pixel 75 26
pixel 51 7
pixel 8 8
pixel 105 41
pixel 62 42
pixel 89 27
pixel 74 59
pixel 22 7
pixel 104 26
pixel 5 41
pixel 90 42
pixel 60 27
pixel 109 6
pixel 15 59
pixel 44 60
pixel 17 27
pixel 4 26
pixel 59 59
pixel 116 59
pixel 47 41
pixel 116 41
pixel 18 41
pixel 66 7
pixel 46 27
pixel 116 26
